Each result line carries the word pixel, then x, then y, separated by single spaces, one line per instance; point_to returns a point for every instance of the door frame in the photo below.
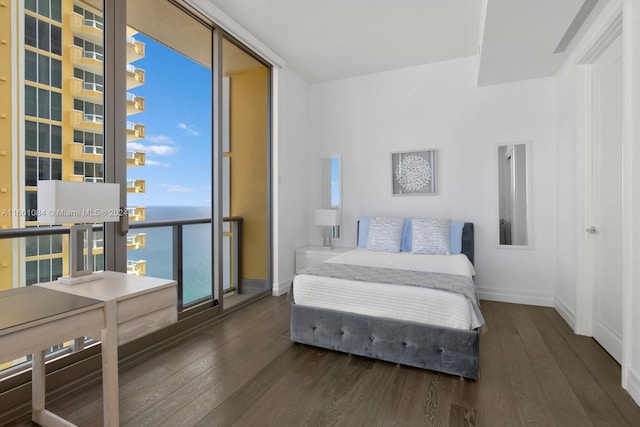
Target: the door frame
pixel 610 30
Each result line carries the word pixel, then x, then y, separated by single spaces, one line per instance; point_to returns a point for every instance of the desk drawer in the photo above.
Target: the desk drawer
pixel 149 302
pixel 143 325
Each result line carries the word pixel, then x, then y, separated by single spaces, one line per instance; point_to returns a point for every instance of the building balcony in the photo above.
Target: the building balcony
pixel 135 131
pixel 135 186
pixel 88 29
pixel 137 214
pixel 92 92
pixel 89 122
pixel 139 268
pixel 135 49
pixel 135 158
pixel 136 241
pixel 135 104
pixel 86 153
pixel 135 76
pixel 90 61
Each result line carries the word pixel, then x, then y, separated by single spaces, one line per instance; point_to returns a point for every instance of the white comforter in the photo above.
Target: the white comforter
pixel 411 303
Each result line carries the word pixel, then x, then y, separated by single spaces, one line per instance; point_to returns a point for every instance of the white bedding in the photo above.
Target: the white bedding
pixel 411 303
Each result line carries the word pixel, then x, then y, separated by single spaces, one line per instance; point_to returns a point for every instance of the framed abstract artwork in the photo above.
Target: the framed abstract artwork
pixel 414 173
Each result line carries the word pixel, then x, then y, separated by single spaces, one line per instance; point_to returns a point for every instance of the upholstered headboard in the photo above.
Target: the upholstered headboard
pixel 467 239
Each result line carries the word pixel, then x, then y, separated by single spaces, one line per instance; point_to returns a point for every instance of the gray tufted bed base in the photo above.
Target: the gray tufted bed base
pixel 442 349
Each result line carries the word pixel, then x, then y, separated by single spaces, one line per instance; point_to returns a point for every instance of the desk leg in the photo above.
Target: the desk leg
pixel 110 366
pixel 37 384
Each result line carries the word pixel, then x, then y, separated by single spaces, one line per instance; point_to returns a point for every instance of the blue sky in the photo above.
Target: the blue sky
pixel 177 117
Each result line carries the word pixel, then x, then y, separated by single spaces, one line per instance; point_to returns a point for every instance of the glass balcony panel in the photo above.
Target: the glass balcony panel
pixel 197 272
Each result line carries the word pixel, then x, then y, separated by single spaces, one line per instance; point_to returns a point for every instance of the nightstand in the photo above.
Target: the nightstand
pixel 311 255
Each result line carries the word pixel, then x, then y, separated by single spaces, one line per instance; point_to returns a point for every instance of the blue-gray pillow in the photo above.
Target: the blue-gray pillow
pixel 455 235
pixel 430 236
pixel 363 231
pixel 385 234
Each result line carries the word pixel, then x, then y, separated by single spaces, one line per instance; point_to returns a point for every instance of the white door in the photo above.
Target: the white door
pixel 607 200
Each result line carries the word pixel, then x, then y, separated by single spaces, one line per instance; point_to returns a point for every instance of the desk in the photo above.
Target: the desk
pixel 32 319
pixel 115 309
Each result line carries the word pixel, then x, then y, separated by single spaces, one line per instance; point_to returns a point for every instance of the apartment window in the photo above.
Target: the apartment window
pixel 90 19
pixel 91 50
pixel 44 270
pixel 42 137
pixel 42 69
pixel 93 142
pixel 43 245
pixel 42 35
pixel 90 171
pixel 41 168
pixel 48 8
pixel 92 112
pixel 90 80
pixel 42 103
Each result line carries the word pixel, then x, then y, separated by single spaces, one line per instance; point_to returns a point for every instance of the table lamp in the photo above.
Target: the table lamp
pixel 327 218
pixel 80 204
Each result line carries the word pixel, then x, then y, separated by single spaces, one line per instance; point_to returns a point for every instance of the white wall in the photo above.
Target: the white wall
pixel 631 61
pixel 291 215
pixel 438 106
pixel 570 219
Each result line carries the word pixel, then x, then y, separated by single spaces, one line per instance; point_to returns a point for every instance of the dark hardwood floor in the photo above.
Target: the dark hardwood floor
pixel 244 371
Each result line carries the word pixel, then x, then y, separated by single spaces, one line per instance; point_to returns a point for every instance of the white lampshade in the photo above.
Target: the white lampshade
pixel 67 202
pixel 327 217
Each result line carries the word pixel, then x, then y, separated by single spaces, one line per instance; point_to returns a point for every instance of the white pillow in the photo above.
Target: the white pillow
pixel 430 236
pixel 385 234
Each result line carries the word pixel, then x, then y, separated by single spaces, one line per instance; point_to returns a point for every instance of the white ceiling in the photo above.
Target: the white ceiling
pixel 333 39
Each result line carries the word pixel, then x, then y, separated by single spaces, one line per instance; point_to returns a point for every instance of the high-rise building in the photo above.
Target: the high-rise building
pixel 51 125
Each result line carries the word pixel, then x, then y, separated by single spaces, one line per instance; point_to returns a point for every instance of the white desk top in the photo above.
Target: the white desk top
pixel 113 286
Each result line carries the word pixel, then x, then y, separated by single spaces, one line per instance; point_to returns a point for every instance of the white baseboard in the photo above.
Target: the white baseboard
pixel 565 312
pixel 281 288
pixel 516 297
pixel 633 385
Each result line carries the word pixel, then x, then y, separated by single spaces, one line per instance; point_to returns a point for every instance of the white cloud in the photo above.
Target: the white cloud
pixel 160 150
pixel 160 139
pixel 173 188
pixel 154 163
pixel 191 130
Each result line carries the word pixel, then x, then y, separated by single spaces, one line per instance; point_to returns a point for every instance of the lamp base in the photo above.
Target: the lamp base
pixel 70 280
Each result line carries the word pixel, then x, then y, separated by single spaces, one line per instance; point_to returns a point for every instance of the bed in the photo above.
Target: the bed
pixel 373 303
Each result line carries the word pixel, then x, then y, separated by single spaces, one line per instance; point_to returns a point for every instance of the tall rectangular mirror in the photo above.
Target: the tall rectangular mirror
pixel 513 194
pixel 331 191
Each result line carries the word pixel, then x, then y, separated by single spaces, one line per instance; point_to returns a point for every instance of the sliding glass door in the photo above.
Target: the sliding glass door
pixel 169 146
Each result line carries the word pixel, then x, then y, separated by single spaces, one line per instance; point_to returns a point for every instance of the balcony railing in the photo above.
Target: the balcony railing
pixel 95 87
pixel 90 54
pixel 93 149
pixel 93 118
pixel 176 257
pixel 92 23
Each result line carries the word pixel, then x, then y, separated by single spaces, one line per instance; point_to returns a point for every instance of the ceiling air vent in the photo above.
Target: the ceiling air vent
pixel 576 24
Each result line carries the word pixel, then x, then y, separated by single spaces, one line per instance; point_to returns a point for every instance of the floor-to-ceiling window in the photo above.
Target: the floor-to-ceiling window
pixel 246 157
pixel 51 63
pixel 149 126
pixel 172 107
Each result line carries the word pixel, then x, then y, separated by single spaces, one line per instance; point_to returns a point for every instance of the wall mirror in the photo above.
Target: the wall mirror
pixel 331 191
pixel 513 171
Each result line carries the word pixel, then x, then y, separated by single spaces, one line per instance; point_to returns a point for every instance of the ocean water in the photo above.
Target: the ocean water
pixel 158 252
